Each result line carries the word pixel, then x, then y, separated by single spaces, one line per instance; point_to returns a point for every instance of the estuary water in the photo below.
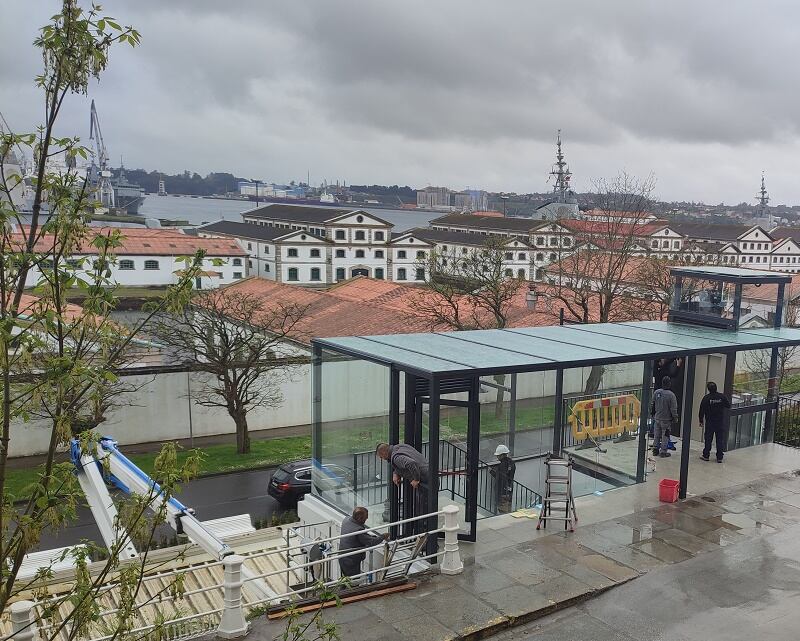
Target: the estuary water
pixel 205 210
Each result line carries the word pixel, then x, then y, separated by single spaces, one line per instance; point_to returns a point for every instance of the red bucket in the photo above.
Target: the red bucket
pixel 668 490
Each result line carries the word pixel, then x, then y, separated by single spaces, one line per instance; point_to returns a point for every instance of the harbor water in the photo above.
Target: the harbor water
pixel 205 210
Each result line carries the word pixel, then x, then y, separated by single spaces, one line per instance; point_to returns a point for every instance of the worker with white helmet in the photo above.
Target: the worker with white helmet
pixel 503 474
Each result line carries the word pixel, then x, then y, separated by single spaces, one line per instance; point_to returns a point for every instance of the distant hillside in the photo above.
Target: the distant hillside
pixel 188 182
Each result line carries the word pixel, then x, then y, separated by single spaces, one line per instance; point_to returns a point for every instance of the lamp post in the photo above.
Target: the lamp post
pixel 504 199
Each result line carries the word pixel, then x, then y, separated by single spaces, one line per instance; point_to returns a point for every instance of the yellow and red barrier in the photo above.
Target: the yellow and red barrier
pixel 608 416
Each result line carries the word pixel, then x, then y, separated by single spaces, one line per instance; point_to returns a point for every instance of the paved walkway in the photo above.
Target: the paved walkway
pixel 515 574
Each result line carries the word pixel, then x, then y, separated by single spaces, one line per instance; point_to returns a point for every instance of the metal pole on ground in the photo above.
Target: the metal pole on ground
pixel 644 414
pixel 686 422
pixel 512 415
pixel 558 413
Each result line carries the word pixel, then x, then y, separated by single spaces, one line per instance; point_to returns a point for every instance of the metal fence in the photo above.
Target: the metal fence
pixel 371 478
pixel 787 425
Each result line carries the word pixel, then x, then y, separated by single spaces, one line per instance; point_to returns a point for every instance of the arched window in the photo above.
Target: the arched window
pixel 340 253
pixel 151 264
pixel 293 274
pixel 509 273
pixel 378 253
pixel 291 252
pixel 315 273
pixel 361 235
pixel 401 273
pixel 340 273
pixel 522 256
pixel 237 262
pixel 315 253
pixel 420 254
pixel 340 234
pixel 379 235
pixel 521 273
pixel 126 264
pixel 401 253
pixel 359 253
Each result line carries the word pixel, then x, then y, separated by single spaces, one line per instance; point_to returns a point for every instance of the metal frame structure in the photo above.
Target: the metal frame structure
pixel 464 357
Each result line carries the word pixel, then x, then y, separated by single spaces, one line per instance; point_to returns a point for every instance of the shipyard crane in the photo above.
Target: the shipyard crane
pixel 100 174
pixel 107 465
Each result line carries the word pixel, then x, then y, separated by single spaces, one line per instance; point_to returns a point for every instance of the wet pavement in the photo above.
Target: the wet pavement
pixel 733 546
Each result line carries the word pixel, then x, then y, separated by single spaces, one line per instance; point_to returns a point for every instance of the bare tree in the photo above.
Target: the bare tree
pixel 243 343
pixel 590 283
pixel 470 291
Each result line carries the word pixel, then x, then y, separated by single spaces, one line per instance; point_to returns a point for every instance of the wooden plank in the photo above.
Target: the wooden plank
pixel 353 598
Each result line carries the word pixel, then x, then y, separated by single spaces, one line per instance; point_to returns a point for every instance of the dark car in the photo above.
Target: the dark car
pixel 291 481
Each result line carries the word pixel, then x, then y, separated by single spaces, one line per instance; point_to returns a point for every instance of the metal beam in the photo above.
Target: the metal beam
pixel 394 437
pixel 316 403
pixel 433 462
pixel 558 413
pixel 512 415
pixel 473 445
pixel 686 422
pixel 644 414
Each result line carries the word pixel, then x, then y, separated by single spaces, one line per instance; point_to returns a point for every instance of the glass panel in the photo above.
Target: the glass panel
pixel 751 378
pixel 669 341
pixel 523 343
pixel 355 417
pixel 601 419
pixel 705 297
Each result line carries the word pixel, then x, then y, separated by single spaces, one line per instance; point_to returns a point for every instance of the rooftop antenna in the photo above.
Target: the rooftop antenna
pixel 763 199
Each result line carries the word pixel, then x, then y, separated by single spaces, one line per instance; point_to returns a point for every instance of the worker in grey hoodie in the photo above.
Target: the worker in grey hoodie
pixel 664 410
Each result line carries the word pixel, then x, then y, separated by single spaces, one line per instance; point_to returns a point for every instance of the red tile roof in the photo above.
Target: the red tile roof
pixel 145 242
pixel 365 307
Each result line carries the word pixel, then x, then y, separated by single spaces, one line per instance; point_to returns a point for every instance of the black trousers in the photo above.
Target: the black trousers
pixel 350 565
pixel 720 432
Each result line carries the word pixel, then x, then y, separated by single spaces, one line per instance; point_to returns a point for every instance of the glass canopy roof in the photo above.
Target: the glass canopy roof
pixel 731 274
pixel 546 348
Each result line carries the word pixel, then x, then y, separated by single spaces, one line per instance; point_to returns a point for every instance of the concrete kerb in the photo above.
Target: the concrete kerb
pixel 507 622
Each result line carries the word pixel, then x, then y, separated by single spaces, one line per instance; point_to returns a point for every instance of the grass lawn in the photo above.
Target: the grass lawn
pixel 216 458
pixel 271 452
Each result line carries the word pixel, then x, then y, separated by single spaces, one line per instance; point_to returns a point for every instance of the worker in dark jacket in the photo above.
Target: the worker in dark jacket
pixel 712 420
pixel 357 538
pixel 664 410
pixel 407 463
pixel 503 474
pixel 410 465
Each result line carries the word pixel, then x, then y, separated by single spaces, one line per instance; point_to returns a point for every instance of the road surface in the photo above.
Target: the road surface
pixel 211 497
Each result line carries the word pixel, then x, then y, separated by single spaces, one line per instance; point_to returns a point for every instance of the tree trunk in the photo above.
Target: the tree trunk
pixel 593 382
pixel 242 437
pixel 500 379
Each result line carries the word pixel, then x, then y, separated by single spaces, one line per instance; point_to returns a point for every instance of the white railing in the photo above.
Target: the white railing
pixel 231 619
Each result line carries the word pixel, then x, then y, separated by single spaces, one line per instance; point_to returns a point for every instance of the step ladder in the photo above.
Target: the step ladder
pixel 558 493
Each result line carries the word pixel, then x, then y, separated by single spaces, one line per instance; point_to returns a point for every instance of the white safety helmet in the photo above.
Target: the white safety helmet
pixel 501 449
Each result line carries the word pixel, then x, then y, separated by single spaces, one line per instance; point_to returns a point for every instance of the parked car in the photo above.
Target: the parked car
pixel 291 481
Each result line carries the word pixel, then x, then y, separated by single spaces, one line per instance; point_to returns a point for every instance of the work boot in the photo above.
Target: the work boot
pixel 703 457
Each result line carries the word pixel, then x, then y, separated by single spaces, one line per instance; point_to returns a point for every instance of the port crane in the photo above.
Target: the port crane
pixel 100 173
pixel 106 465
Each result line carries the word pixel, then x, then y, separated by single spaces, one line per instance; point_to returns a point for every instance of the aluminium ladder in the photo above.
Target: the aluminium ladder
pixel 558 493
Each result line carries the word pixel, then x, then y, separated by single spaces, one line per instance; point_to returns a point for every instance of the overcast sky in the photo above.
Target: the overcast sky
pixel 702 94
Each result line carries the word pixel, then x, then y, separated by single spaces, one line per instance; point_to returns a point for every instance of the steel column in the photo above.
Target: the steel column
pixel 316 403
pixel 686 422
pixel 644 414
pixel 473 446
pixel 394 437
pixel 512 415
pixel 558 413
pixel 433 462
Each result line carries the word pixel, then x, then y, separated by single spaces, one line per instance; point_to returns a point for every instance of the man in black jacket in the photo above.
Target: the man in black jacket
pixel 713 409
pixel 357 538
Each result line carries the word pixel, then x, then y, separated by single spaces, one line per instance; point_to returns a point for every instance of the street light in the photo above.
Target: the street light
pixel 504 199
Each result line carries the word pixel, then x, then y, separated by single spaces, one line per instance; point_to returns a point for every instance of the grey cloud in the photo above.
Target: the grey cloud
pixel 459 92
